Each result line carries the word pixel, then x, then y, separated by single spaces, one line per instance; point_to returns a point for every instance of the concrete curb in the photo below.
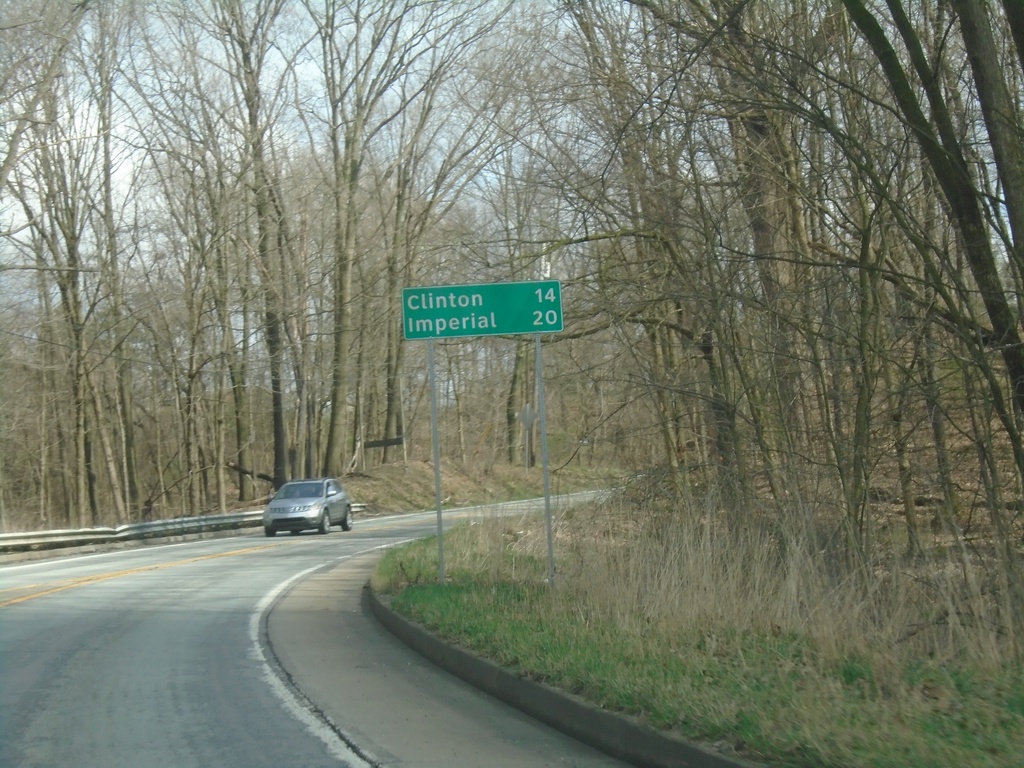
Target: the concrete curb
pixel 617 735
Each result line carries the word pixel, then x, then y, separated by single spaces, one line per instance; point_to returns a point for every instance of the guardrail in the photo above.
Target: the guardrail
pixel 40 541
pixel 180 526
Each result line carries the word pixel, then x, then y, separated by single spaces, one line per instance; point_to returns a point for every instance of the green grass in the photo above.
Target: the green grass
pixel 683 638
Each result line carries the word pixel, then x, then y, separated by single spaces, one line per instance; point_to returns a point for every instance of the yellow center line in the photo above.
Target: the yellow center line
pixel 32 586
pixel 81 582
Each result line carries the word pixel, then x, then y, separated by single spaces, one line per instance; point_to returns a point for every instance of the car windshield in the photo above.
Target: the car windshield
pixel 299 490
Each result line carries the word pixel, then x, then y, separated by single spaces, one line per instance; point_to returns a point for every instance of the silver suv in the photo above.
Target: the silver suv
pixel 307 504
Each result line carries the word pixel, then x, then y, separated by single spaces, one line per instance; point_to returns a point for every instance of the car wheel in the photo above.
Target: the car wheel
pixel 346 521
pixel 269 531
pixel 325 522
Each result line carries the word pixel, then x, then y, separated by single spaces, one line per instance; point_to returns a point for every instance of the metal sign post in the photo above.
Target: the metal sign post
pixel 437 458
pixel 486 309
pixel 544 463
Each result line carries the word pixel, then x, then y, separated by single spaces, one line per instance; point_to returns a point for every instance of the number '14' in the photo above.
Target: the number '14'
pixel 548 295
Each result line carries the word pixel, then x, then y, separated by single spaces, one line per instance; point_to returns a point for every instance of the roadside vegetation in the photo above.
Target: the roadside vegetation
pixel 759 643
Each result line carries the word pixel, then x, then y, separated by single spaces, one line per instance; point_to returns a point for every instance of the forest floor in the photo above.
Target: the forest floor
pixel 409 486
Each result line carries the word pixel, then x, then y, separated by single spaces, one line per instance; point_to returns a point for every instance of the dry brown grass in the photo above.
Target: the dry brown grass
pixel 750 637
pixel 409 486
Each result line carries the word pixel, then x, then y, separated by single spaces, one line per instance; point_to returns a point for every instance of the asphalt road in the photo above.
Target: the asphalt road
pixel 241 652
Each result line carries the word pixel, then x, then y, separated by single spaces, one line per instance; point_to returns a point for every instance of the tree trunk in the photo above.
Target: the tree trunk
pixel 943 151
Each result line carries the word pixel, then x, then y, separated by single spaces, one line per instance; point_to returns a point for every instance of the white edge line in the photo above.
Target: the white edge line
pixel 410 516
pixel 298 709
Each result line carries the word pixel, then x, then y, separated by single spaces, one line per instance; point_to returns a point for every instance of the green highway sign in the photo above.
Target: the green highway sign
pixel 485 309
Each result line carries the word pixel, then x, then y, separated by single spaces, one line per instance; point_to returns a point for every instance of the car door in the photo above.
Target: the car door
pixel 344 503
pixel 335 502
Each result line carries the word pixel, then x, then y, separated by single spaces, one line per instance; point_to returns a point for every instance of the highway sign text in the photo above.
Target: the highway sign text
pixel 484 309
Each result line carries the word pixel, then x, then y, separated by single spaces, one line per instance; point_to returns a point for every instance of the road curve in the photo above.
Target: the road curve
pixel 398 708
pixel 183 656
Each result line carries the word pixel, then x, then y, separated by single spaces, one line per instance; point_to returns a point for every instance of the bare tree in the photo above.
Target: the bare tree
pixel 51 189
pixel 378 61
pixel 25 78
pixel 248 37
pixel 950 161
